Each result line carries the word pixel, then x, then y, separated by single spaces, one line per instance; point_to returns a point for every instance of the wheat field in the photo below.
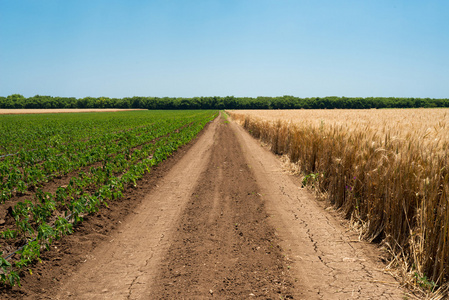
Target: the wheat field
pixel 385 169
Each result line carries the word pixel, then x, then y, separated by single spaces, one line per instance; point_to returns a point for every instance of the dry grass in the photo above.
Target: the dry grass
pixel 387 169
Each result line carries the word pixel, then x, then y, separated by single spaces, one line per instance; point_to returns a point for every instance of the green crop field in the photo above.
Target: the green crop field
pixel 98 154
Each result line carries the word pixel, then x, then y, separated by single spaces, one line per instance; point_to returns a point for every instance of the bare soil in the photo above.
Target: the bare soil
pixel 6 111
pixel 220 219
pixel 224 246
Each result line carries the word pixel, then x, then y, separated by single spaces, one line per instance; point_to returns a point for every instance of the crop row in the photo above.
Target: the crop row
pixel 50 216
pixel 37 131
pixel 28 169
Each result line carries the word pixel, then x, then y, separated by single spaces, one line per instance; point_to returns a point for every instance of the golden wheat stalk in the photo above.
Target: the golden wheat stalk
pixel 386 168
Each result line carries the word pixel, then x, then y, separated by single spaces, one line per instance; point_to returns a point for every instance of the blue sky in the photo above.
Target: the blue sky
pixel 181 48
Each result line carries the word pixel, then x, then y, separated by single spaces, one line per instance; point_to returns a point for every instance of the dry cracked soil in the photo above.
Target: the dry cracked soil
pixel 220 219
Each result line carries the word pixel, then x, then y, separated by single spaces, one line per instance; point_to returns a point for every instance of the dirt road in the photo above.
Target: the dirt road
pixel 226 222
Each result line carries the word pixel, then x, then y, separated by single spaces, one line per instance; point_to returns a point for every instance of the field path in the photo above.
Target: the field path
pixel 227 223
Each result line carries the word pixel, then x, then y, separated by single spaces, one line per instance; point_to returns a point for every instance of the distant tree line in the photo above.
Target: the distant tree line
pixel 228 102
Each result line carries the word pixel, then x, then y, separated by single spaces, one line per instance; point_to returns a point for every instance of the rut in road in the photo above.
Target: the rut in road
pixel 224 246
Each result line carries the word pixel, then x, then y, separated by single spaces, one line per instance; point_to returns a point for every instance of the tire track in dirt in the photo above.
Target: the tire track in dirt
pixel 224 247
pixel 122 267
pixel 325 261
